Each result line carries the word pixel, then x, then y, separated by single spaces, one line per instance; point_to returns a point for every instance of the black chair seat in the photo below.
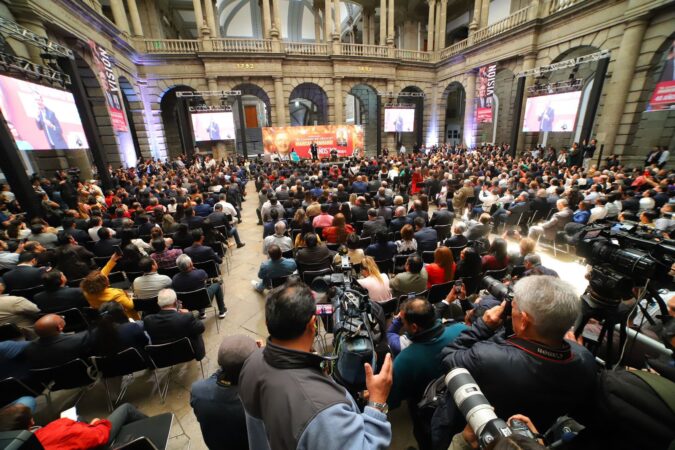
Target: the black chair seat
pixel 145 434
pixel 309 275
pixel 194 300
pixel 146 305
pixel 73 374
pixel 119 280
pixel 287 254
pixel 28 293
pixel 10 332
pixel 170 353
pixel 210 267
pixel 385 266
pixel 496 274
pixel 101 261
pixel 13 388
pixel 131 276
pixel 438 292
pixel 428 256
pixel 276 282
pixel 125 362
pixel 390 306
pixel 168 271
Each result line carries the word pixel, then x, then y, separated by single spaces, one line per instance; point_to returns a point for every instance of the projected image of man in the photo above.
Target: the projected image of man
pixel 546 118
pixel 213 130
pixel 47 122
pixel 398 124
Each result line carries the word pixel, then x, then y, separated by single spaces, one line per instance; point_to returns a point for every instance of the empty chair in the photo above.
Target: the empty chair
pixel 438 292
pixel 123 363
pixel 151 433
pixel 196 301
pixel 169 355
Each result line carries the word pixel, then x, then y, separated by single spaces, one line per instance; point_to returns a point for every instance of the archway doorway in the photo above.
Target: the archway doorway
pixel 455 105
pixel 409 140
pixel 177 131
pixel 362 108
pixel 257 111
pixel 129 140
pixel 308 105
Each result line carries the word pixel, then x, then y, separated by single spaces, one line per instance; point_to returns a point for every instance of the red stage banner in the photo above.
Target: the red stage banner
pixel 346 139
pixel 485 88
pixel 110 86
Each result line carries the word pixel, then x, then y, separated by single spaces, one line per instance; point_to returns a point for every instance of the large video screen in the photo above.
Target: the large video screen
pixel 213 126
pixel 346 139
pixel 555 113
pixel 40 117
pixel 399 120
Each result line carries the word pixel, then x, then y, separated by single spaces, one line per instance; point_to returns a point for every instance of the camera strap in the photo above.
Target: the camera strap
pixel 542 351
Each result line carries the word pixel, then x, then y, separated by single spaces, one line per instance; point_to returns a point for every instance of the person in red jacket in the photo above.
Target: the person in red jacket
pixel 67 434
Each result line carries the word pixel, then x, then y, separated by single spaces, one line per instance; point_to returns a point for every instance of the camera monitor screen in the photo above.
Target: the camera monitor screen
pixel 399 120
pixel 556 112
pixel 40 117
pixel 213 126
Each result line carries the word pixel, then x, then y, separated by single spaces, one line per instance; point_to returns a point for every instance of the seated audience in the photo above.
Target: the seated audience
pixel 171 324
pixel 17 310
pixel 279 239
pixel 215 400
pixel 457 238
pixel 58 296
pixel 407 244
pixel 276 267
pixel 339 230
pixel 383 249
pixel 532 263
pixel 96 289
pixel 52 347
pixel 442 269
pixel 374 224
pixel 163 256
pixel 150 283
pixel 376 283
pixel 426 237
pixel 413 280
pixel 106 244
pixel 190 279
pixel 469 269
pixel 199 252
pixel 25 275
pixel 316 255
pixel 497 257
pixel 114 332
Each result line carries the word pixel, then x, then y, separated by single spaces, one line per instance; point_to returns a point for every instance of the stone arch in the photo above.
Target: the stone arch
pixel 410 139
pixel 366 109
pixel 651 128
pixel 308 104
pixel 251 89
pixel 173 115
pixel 454 105
pixel 133 107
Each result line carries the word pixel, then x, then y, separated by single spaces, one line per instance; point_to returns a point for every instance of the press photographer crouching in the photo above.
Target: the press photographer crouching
pixel 536 371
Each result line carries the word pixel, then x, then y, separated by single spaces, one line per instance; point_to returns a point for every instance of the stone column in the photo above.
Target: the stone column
pixel 327 21
pixel 475 21
pixel 484 10
pixel 390 22
pixel 277 16
pixel 267 20
pixel 431 24
pixel 317 25
pixel 119 15
pixel 444 22
pixel 528 64
pixel 469 119
pixel 280 103
pixel 383 22
pixel 336 19
pixel 619 86
pixel 365 24
pixel 371 28
pixel 199 16
pixel 437 26
pixel 135 18
pixel 210 18
pixel 339 101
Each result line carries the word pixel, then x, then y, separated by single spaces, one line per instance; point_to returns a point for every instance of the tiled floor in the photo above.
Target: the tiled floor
pixel 245 316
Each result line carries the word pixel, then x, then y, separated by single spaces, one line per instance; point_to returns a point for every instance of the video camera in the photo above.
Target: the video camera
pixel 501 292
pixel 480 415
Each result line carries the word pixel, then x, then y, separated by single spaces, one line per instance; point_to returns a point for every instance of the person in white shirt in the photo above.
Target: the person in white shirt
pixel 647 202
pixel 228 208
pixel 93 231
pixel 278 238
pixel 599 212
pixel 376 283
pixel 488 198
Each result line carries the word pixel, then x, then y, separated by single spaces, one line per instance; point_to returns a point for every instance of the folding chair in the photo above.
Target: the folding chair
pixel 385 266
pixel 211 268
pixel 77 373
pixel 131 276
pixel 364 242
pixel 287 254
pixel 146 305
pixel 390 306
pixel 198 300
pixel 28 293
pixel 75 319
pixel 123 363
pixel 428 256
pixel 148 434
pixel 119 280
pixel 168 271
pixel 101 261
pixel 457 251
pixel 168 355
pixel 399 263
pixel 439 291
pixel 442 231
pixel 10 332
pixel 276 282
pixel 309 275
pixel 14 388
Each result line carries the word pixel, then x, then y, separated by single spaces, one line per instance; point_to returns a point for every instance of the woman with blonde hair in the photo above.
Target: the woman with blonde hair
pixel 376 283
pixel 337 233
pixel 442 269
pixel 96 289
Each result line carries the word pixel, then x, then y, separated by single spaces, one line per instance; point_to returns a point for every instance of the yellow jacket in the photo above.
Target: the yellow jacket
pixel 112 295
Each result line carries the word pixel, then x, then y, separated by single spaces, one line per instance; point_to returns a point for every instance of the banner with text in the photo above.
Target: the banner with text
pixel 346 139
pixel 485 88
pixel 109 85
pixel 663 97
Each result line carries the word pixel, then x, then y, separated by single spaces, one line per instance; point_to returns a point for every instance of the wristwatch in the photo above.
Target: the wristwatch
pixel 382 407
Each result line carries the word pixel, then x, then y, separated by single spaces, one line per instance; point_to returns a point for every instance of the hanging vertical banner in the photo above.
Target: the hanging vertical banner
pixel 485 87
pixel 109 85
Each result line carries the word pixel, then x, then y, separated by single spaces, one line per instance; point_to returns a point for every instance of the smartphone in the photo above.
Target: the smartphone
pixel 324 309
pixel 118 250
pixel 458 287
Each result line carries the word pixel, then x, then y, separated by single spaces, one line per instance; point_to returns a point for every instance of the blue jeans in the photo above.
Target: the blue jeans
pixel 235 234
pixel 215 291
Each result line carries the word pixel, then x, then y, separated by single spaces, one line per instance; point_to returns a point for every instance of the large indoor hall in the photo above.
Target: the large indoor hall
pixel 337 224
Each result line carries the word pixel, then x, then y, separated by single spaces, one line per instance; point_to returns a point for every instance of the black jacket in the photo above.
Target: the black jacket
pixel 59 300
pixel 201 253
pixel 441 217
pixel 57 350
pixel 427 240
pixel 22 277
pixel 106 247
pixel 522 377
pixel 170 325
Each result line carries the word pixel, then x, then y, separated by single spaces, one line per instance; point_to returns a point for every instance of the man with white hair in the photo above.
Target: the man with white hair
pixel 539 371
pixel 278 238
pixel 190 279
pixel 556 223
pixel 171 324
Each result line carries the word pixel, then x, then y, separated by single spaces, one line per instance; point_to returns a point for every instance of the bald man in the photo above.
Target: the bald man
pixel 52 347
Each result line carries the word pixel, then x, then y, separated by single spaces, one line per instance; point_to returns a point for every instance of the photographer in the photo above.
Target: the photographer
pixel 536 371
pixel 467 440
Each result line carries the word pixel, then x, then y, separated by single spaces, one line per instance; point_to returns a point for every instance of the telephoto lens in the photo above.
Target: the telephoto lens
pixel 476 409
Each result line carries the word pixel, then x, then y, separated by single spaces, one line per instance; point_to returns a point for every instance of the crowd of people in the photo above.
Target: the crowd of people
pixel 405 223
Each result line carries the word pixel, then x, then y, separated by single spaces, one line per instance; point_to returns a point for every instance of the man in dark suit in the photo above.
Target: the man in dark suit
pixel 25 275
pixel 53 348
pixel 47 122
pixel 202 209
pixel 480 229
pixel 383 210
pixel 318 256
pixel 105 247
pixel 518 207
pixel 399 220
pixel 359 212
pixel 80 236
pixel 417 211
pixel 199 252
pixel 374 224
pixel 171 324
pixel 426 237
pixel 191 220
pixel 457 239
pixel 57 296
pixel 442 216
pixel 190 279
pixel 218 218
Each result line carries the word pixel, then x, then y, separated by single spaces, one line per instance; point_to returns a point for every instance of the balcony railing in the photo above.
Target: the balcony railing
pixel 509 23
pixel 454 49
pixel 228 45
pixel 559 5
pixel 376 51
pixel 304 48
pixel 413 55
pixel 171 45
